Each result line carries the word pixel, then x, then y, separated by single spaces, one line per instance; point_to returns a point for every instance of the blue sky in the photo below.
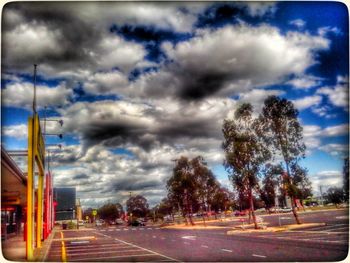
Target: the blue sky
pixel 140 84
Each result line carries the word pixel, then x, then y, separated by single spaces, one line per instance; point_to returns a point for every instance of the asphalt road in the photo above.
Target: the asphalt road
pixel 156 244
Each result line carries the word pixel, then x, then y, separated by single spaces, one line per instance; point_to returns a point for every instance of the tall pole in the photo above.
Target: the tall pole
pixel 34 81
pixel 30 193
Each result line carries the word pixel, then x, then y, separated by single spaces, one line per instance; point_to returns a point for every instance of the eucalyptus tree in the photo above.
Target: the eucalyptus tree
pixel 303 187
pixel 270 181
pixel 206 183
pixel 182 187
pixel 245 152
pixel 281 129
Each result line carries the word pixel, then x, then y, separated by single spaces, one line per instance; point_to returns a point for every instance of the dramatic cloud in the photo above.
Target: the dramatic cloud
pixel 232 59
pixel 117 123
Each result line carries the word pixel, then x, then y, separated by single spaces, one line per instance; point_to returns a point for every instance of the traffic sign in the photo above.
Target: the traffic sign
pixel 94 212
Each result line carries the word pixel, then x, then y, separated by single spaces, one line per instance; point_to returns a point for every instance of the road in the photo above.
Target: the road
pixel 157 244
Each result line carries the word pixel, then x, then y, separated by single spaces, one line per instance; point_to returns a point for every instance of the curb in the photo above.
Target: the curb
pixel 275 229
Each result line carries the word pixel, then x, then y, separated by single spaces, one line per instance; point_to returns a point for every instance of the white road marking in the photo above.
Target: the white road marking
pixel 189 237
pixel 186 243
pixel 226 250
pixel 133 229
pixel 80 242
pixel 157 227
pixel 149 228
pixel 102 230
pixel 342 217
pixel 259 256
pixel 154 236
pixel 112 257
pixel 204 246
pixel 173 240
pixel 145 249
pixel 118 229
pixel 126 229
pixel 102 252
pixel 162 238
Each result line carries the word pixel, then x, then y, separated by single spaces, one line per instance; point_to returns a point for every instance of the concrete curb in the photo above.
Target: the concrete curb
pixel 275 229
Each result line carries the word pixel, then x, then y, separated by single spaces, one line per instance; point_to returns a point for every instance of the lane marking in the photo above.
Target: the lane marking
pixel 186 243
pixel 146 249
pixel 258 256
pixel 102 252
pixel 189 237
pixel 157 227
pixel 204 246
pixel 162 238
pixel 226 250
pixel 80 242
pixel 154 236
pixel 149 228
pixel 96 259
pixel 74 238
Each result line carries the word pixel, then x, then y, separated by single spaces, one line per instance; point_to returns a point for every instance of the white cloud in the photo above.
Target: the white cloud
pixel 298 23
pixel 307 102
pixel 304 82
pixel 337 95
pixel 20 94
pixel 335 149
pixel 19 131
pixel 325 30
pixel 106 83
pixel 326 179
pixel 338 130
pixel 32 40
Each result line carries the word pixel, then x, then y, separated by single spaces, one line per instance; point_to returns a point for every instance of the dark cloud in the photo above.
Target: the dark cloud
pixel 134 185
pixel 80 176
pixel 76 36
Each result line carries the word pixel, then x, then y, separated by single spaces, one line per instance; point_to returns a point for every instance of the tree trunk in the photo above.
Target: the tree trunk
pixel 293 198
pixel 252 208
pixel 295 212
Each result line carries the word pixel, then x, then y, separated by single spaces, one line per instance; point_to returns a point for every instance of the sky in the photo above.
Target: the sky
pixel 140 84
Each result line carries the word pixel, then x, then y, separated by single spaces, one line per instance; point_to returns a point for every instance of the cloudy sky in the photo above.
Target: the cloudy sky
pixel 140 84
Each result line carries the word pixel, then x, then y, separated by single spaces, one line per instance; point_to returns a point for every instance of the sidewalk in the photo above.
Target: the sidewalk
pixel 14 248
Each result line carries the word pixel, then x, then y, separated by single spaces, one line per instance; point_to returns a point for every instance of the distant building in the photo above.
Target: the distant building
pixel 79 211
pixel 65 198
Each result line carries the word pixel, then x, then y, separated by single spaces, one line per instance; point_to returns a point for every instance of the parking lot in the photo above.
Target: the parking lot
pixel 96 246
pixel 328 234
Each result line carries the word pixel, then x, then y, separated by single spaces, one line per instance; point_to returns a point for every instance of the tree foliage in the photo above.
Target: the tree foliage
pixel 335 195
pixel 137 205
pixel 110 211
pixel 192 186
pixel 282 130
pixel 245 152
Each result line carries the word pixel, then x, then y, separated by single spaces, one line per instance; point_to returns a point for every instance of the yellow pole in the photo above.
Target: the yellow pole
pixel 39 218
pixel 30 180
pixel 63 249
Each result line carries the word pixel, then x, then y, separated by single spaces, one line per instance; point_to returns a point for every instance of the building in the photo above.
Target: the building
pixel 13 196
pixel 65 199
